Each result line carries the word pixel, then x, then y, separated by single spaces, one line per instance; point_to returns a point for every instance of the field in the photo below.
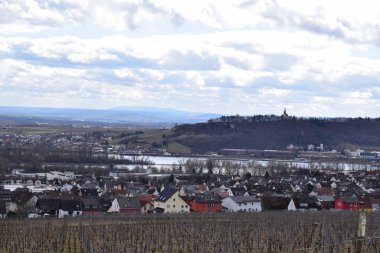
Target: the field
pixel 262 232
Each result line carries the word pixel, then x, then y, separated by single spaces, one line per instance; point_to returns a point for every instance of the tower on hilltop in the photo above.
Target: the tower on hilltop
pixel 285 114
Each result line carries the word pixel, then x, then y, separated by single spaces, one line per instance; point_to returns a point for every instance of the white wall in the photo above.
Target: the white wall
pixel 62 213
pixel 147 207
pixel 175 204
pixel 115 206
pixel 232 206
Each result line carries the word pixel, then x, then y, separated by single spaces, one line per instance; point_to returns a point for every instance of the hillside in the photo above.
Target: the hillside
pixel 274 132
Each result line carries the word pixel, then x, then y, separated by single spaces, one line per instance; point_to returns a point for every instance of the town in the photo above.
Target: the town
pixel 95 181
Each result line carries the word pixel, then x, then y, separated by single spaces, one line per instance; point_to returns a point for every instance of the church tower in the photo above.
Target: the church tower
pixel 285 114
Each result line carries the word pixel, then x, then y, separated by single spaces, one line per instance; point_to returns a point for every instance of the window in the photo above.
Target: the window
pixel 173 199
pixel 173 206
pixel 182 206
pixel 210 204
pixel 168 206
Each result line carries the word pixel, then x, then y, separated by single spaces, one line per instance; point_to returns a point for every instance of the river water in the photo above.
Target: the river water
pixel 171 161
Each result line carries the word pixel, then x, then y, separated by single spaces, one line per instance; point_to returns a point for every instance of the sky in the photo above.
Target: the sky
pixel 316 57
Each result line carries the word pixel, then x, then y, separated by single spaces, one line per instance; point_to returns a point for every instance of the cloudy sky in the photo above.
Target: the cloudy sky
pixel 315 57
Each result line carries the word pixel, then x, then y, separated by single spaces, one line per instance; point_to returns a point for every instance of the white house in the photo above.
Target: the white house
pixel 169 201
pixel 70 208
pixel 12 187
pixel 146 206
pixel 242 204
pixel 292 206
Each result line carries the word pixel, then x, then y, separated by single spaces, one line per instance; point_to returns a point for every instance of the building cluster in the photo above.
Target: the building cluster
pixel 62 194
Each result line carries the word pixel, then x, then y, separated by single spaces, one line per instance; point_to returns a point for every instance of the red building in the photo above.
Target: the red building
pixel 348 203
pixel 205 203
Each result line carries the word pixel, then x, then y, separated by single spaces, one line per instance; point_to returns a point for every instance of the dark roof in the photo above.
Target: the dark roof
pixel 245 199
pixel 306 201
pixel 158 210
pixel 206 198
pixel 188 189
pixel 89 186
pixel 48 204
pixel 128 202
pixel 238 190
pixel 89 192
pixel 71 205
pixel 325 198
pixel 166 194
pixel 3 207
pixel 350 199
pixel 21 197
pixel 94 203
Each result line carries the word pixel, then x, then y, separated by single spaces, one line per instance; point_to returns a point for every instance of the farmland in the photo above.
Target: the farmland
pixel 261 232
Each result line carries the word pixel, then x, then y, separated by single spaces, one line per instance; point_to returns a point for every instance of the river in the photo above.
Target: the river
pixel 170 161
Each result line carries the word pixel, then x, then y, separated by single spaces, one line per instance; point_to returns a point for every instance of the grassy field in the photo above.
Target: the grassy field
pixel 176 148
pixel 275 232
pixel 149 138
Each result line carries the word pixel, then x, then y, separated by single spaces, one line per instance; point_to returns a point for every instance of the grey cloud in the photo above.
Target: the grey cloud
pixel 108 76
pixel 238 63
pixel 315 24
pixel 61 13
pixel 18 12
pixel 357 82
pixel 22 51
pixel 174 17
pixel 176 60
pixel 245 47
pixel 319 28
pixel 264 82
pixel 280 61
pixel 220 82
pixel 247 3
pixel 173 78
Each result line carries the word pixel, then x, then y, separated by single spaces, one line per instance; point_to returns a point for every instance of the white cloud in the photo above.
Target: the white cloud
pixel 229 57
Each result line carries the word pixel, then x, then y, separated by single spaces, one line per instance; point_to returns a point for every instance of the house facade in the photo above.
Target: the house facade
pixel 147 203
pixel 242 204
pixel 49 206
pixel 169 201
pixel 70 208
pixel 292 206
pixel 91 206
pixel 126 205
pixel 347 203
pixel 206 203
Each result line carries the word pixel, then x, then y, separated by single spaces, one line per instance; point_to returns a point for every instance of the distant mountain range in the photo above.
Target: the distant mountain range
pixel 140 116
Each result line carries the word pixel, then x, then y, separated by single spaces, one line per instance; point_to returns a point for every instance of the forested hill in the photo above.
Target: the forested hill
pixel 275 132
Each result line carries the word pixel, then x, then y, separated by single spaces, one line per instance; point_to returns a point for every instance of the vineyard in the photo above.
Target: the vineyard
pixel 243 232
